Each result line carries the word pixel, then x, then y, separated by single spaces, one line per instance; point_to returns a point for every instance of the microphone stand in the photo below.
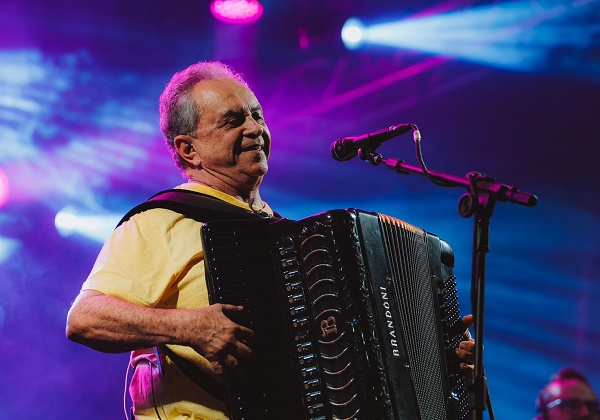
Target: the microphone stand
pixel 483 193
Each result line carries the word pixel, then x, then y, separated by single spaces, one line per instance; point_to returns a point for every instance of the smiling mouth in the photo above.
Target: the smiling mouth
pixel 253 147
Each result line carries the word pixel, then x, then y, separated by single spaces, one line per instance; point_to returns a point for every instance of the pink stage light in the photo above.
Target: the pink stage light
pixel 3 188
pixel 236 11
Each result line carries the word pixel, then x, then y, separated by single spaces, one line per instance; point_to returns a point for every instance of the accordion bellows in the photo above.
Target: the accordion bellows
pixel 355 313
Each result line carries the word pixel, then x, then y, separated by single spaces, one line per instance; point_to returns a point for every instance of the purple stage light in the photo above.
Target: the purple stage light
pixel 236 11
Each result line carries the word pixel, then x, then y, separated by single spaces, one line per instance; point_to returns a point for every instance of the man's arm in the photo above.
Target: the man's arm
pixel 111 325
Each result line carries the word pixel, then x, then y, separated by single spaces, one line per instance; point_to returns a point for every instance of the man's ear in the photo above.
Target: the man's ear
pixel 184 146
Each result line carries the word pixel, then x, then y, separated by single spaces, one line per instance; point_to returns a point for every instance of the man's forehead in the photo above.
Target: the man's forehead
pixel 567 388
pixel 224 93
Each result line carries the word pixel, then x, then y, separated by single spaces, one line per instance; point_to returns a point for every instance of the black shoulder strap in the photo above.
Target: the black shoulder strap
pixel 192 204
pixel 201 378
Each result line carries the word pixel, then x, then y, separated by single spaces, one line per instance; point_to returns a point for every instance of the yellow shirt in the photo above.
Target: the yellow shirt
pixel 155 259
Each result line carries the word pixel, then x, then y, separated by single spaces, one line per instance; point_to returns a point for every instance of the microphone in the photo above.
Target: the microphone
pixel 346 148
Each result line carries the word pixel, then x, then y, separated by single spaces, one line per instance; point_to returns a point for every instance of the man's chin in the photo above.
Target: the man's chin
pixel 257 173
pixel 261 169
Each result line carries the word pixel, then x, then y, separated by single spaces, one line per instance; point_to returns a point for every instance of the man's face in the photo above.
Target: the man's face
pixel 574 395
pixel 232 140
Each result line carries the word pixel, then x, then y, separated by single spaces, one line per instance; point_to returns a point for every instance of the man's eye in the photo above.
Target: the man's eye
pixel 235 122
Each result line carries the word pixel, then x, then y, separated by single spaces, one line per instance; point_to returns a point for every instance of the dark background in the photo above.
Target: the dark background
pixel 516 96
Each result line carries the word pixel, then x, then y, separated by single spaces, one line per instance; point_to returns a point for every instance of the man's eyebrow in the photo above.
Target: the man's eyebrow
pixel 233 113
pixel 241 111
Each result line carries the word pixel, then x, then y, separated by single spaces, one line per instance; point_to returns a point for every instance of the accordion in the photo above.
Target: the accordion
pixel 355 315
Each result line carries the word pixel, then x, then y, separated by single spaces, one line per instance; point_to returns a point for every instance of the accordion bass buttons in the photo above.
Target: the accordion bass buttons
pixel 299 320
pixel 285 246
pixel 294 287
pixel 304 348
pixel 317 412
pixel 289 264
pixel 302 335
pixel 313 397
pixel 300 323
pixel 296 299
pixel 308 361
pixel 298 311
pixel 312 385
pixel 309 372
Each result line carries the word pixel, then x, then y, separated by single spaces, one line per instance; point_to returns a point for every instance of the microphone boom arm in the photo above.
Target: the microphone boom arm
pixel 483 183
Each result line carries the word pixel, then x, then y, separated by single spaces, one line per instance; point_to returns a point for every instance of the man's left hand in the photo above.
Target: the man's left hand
pixel 466 348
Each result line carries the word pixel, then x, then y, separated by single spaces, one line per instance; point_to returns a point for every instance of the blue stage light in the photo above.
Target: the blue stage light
pixel 520 36
pixel 352 33
pixel 7 247
pixel 97 227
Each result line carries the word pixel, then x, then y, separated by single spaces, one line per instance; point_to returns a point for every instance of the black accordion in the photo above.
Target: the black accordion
pixel 356 316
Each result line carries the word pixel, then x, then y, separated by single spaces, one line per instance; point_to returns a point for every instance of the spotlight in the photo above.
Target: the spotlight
pixel 352 33
pixel 511 35
pixel 236 11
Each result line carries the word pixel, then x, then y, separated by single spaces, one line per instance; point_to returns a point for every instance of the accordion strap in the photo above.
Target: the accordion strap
pixel 193 205
pixel 197 375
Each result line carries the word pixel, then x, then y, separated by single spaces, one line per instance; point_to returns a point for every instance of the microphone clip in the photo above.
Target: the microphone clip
pixel 370 156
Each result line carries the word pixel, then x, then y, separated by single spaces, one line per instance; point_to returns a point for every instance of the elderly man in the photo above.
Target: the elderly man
pixel 568 396
pixel 147 288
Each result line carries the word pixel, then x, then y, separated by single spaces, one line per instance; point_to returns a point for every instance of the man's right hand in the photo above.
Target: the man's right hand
pixel 225 344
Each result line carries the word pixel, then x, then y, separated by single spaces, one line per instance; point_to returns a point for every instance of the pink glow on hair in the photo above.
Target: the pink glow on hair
pixel 236 11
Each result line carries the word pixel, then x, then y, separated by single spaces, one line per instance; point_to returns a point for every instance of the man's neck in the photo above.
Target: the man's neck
pixel 251 197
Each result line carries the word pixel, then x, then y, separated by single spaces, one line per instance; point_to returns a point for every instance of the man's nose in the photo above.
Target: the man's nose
pixel 584 412
pixel 253 128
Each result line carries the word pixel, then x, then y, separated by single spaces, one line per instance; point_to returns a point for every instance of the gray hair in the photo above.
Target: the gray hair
pixel 177 109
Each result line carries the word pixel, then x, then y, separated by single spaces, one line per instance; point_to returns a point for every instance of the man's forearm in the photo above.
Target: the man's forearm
pixel 111 325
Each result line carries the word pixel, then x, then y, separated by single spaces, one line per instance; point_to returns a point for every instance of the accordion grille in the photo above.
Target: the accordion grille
pixel 411 281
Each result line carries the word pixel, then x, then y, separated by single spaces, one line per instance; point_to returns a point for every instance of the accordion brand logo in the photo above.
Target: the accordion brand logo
pixel 328 326
pixel 389 321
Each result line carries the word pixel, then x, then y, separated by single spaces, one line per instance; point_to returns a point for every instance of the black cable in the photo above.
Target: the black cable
pixel 152 384
pixel 417 137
